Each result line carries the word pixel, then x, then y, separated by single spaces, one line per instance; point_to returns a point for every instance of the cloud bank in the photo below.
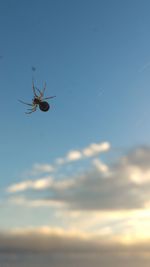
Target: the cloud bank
pixel 123 185
pixel 60 249
pixel 105 209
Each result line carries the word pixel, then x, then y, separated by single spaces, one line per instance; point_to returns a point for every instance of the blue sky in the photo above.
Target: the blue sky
pixel 95 57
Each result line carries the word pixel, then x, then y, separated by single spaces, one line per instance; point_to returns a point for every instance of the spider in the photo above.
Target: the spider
pixel 38 100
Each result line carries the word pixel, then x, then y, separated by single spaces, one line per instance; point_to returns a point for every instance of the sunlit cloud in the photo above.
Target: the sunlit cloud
pixel 136 175
pixel 48 239
pixel 39 184
pixel 44 239
pixel 95 149
pixel 89 151
pixel 119 186
pixel 101 166
pixel 45 246
pixel 74 155
pixel 106 200
pixel 42 169
pixel 70 157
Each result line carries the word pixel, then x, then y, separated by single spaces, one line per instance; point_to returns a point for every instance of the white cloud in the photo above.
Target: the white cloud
pixel 42 183
pixel 39 184
pixel 89 151
pixel 73 155
pixel 19 187
pixel 138 176
pixel 95 149
pixel 42 168
pixel 101 166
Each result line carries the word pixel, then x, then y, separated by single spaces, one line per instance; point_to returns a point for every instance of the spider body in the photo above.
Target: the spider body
pixel 44 106
pixel 38 101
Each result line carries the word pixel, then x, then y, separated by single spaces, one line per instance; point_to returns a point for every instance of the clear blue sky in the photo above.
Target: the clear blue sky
pixel 94 56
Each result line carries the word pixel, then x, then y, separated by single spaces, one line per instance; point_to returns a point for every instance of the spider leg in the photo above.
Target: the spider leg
pixel 39 91
pixel 25 103
pixel 44 89
pixel 34 107
pixel 33 88
pixel 31 110
pixel 49 97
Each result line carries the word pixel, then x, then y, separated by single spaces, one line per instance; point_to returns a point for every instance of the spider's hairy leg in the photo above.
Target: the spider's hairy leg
pixel 33 87
pixel 31 110
pixel 49 97
pixel 44 89
pixel 39 91
pixel 25 103
pixel 33 107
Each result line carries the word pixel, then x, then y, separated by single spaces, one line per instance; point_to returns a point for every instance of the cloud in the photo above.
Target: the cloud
pixel 23 201
pixel 58 248
pixel 89 151
pixel 122 185
pixel 101 212
pixel 74 155
pixel 42 168
pixel 95 149
pixel 101 167
pixel 47 238
pixel 44 239
pixel 71 156
pixel 139 157
pixel 39 169
pixel 93 191
pixel 39 184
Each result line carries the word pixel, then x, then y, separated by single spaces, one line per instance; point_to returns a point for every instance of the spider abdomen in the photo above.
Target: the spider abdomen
pixel 44 106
